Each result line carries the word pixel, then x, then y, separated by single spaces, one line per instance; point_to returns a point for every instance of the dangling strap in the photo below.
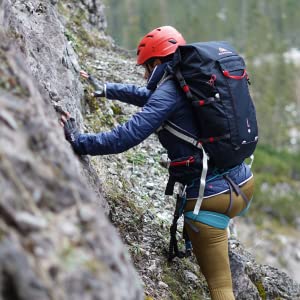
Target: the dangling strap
pixel 236 188
pixel 173 245
pixel 230 200
pixel 202 183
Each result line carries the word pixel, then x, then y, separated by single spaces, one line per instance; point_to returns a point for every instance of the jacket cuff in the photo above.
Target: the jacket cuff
pixel 78 149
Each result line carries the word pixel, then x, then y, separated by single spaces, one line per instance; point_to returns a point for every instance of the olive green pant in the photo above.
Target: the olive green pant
pixel 210 244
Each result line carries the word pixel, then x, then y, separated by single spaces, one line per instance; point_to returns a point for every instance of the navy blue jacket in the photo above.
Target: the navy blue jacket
pixel 165 102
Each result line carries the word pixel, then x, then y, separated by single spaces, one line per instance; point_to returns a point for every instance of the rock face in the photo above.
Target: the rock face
pixel 56 242
pixel 253 281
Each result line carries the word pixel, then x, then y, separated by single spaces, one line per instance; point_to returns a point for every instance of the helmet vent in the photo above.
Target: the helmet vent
pixel 150 35
pixel 172 41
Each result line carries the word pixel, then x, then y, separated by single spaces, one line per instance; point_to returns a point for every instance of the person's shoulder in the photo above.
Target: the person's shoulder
pixel 168 85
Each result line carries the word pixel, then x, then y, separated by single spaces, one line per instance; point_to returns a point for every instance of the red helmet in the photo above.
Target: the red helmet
pixel 160 42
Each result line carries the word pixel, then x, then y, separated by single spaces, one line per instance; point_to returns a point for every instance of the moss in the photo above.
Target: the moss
pixel 261 290
pixel 8 80
pixel 92 102
pixel 99 121
pixel 95 266
pixel 62 8
pixel 135 251
pixel 122 119
pixel 81 39
pixel 120 198
pixel 72 257
pixel 117 109
pixel 137 158
pixel 179 289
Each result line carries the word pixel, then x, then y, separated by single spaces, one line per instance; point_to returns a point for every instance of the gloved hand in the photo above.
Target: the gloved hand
pixel 98 86
pixel 99 93
pixel 71 130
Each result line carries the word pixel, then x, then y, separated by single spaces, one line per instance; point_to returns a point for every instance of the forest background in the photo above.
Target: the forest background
pixel 266 33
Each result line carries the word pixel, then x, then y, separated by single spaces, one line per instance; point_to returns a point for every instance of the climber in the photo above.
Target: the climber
pixel 163 100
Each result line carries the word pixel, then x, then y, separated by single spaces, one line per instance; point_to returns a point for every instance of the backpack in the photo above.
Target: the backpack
pixel 214 79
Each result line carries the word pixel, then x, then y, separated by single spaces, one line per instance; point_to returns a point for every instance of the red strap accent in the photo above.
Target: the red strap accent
pixel 201 102
pixel 186 88
pixel 190 160
pixel 211 139
pixel 227 74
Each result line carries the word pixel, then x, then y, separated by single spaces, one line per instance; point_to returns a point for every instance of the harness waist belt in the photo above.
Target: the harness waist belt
pixel 210 218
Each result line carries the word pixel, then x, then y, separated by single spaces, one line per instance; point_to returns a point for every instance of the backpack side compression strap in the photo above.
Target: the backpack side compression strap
pixel 205 158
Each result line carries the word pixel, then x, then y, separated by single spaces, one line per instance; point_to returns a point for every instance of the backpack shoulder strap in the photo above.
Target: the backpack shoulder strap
pixel 164 78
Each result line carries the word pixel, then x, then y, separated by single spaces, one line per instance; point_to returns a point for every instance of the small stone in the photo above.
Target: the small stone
pixel 39 251
pixel 153 266
pixel 297 255
pixel 191 276
pixel 150 185
pixel 163 285
pixel 29 7
pixel 86 214
pixel 69 229
pixel 30 222
pixel 151 160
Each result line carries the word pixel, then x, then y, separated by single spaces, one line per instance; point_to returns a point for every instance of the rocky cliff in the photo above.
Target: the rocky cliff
pixel 56 241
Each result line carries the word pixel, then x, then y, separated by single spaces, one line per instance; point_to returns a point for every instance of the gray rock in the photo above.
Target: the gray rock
pixel 30 222
pixel 242 285
pixel 251 280
pixel 162 285
pixel 191 277
pixel 17 278
pixel 39 173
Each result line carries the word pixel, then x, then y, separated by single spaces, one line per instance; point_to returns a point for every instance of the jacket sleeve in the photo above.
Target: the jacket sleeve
pixel 127 93
pixel 158 108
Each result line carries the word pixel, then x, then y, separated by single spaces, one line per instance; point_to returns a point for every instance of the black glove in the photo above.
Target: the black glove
pixel 71 130
pixel 98 86
pixel 99 94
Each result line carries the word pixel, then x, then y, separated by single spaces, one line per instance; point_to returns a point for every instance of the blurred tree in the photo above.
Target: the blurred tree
pixel 262 30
